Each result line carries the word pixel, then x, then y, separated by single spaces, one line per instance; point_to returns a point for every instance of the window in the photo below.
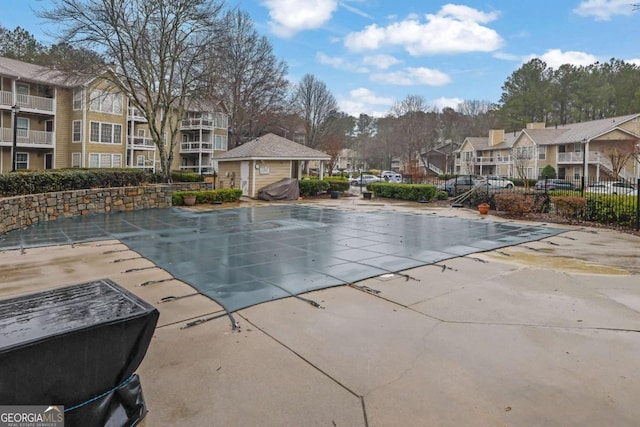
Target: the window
pixel 542 152
pixel 221 121
pixel 77 131
pixel 576 172
pixel 77 98
pixel 103 160
pixel 105 133
pixel 106 102
pixel 220 143
pixel 22 160
pixel 140 160
pixel 22 127
pixel 22 96
pixel 76 160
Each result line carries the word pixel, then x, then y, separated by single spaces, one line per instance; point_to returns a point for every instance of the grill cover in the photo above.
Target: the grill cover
pixel 77 345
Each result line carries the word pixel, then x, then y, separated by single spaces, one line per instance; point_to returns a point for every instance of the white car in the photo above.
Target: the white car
pixel 363 179
pixel 617 187
pixel 391 176
pixel 499 182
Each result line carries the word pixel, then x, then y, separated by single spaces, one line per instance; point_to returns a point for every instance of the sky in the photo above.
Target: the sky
pixel 372 54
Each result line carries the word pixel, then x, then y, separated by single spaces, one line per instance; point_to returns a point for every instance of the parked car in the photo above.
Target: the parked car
pixel 555 184
pixel 391 176
pixel 616 187
pixel 499 182
pixel 459 185
pixel 364 179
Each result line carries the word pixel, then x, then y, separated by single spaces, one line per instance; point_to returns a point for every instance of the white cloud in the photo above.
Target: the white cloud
pixel 381 62
pixel 355 10
pixel 507 56
pixel 454 29
pixel 554 58
pixel 413 76
pixel 364 101
pixel 289 17
pixel 442 103
pixel 634 61
pixel 339 63
pixel 603 10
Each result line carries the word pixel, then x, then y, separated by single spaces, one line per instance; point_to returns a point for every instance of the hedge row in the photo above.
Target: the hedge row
pixel 35 182
pixel 415 192
pixel 208 196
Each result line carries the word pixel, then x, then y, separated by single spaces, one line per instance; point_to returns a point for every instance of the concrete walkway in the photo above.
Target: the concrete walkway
pixel 544 333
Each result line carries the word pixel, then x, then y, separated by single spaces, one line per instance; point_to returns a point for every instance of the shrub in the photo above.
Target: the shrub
pixel 34 182
pixel 569 206
pixel 548 172
pixel 208 196
pixel 519 182
pixel 337 184
pixel 442 195
pixel 514 204
pixel 611 209
pixel 415 192
pixel 182 176
pixel 312 187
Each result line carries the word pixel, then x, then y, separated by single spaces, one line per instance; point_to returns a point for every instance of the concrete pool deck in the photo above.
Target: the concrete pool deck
pixel 542 333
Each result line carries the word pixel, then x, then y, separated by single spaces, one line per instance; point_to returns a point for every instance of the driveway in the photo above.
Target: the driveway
pixel 538 333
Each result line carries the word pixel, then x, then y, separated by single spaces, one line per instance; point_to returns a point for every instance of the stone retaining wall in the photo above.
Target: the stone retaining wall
pixel 21 211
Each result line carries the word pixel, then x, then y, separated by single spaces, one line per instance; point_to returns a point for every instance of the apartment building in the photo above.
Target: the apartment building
pixel 55 123
pixel 594 149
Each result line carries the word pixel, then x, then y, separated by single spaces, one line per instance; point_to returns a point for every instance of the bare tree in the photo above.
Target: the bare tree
pixel 416 126
pixel 159 50
pixel 522 157
pixel 315 103
pixel 249 78
pixel 619 156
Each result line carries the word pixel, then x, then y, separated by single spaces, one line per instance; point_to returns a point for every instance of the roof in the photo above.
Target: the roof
pixel 479 143
pixel 271 146
pixel 35 73
pixel 577 132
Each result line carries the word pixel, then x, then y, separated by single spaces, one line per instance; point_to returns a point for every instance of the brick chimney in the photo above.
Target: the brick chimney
pixel 496 136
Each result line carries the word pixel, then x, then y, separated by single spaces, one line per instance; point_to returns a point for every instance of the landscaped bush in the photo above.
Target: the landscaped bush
pixel 569 206
pixel 337 184
pixel 519 182
pixel 312 186
pixel 514 204
pixel 611 209
pixel 442 195
pixel 35 182
pixel 208 196
pixel 182 176
pixel 415 192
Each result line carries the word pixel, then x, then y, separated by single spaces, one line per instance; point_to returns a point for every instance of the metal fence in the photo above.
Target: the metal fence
pixel 607 201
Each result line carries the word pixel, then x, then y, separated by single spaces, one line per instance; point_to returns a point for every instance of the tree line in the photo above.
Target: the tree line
pixel 170 54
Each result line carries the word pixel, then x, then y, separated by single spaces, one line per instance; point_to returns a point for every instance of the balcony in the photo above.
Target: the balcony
pixel 196 124
pixel 135 115
pixel 196 147
pixel 140 143
pixel 27 138
pixel 577 157
pixel 34 104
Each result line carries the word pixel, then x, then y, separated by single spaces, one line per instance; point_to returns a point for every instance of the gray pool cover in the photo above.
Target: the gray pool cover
pixel 245 256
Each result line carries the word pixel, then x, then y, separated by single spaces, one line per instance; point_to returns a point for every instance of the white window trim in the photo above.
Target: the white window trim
pixel 101 96
pixel 115 160
pixel 80 94
pixel 113 133
pixel 76 160
pixel 18 153
pixel 73 131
